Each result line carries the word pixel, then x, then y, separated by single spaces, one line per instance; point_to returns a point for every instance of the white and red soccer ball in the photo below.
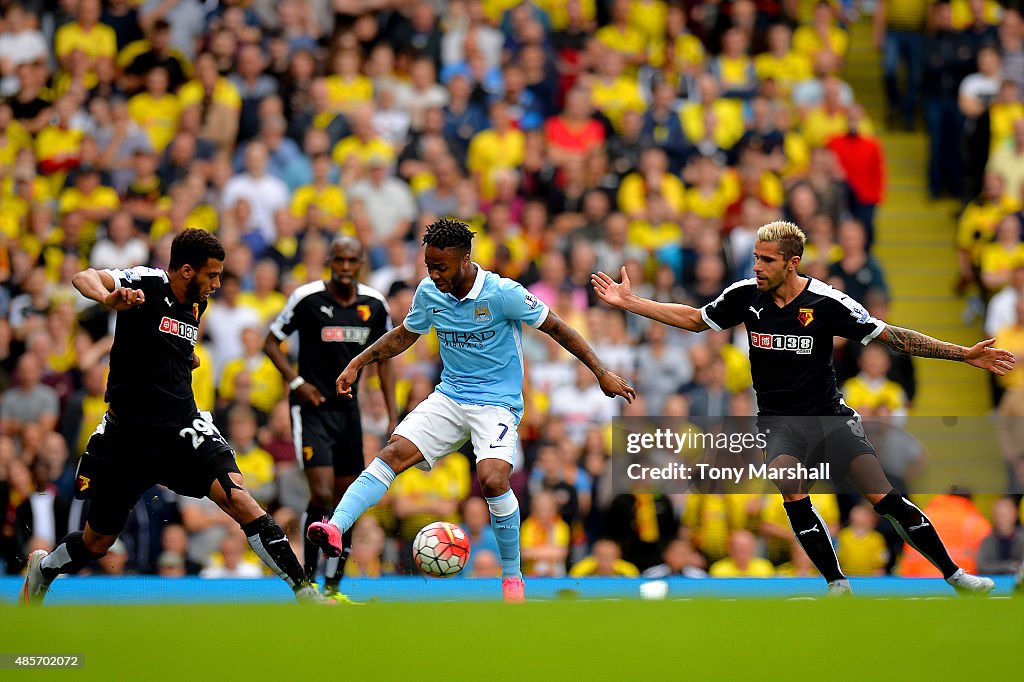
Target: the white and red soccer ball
pixel 441 549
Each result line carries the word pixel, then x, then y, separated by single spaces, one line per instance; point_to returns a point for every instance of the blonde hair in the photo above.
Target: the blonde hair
pixel 788 236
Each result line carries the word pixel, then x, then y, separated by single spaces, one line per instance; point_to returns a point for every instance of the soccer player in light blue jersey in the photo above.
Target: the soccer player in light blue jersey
pixel 478 316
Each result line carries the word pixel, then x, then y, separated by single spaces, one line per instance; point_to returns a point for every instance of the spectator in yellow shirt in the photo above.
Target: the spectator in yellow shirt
pixel 613 92
pixel 58 146
pixel 255 463
pixel 155 110
pixel 713 118
pixel 499 147
pixel 605 561
pixel 978 225
pixel 999 258
pixel 742 561
pixel 217 101
pixel 712 518
pixel 861 549
pixel 86 35
pixel 781 63
pixel 822 35
pixel 714 188
pixel 544 538
pixel 734 68
pixel 651 178
pixel 362 145
pixel 621 37
pixel 870 392
pixel 267 386
pixel 87 204
pixel 347 89
pixel 264 298
pixel 320 203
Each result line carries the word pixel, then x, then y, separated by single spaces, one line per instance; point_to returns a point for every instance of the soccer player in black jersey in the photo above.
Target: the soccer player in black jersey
pixel 152 432
pixel 791 321
pixel 336 321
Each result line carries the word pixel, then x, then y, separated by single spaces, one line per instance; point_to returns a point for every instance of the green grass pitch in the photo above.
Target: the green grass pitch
pixel 753 639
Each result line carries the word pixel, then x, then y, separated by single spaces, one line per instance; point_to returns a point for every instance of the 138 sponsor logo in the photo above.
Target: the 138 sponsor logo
pixel 801 345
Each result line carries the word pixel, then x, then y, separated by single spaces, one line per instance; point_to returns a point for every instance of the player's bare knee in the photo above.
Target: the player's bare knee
pixel 395 457
pixel 493 483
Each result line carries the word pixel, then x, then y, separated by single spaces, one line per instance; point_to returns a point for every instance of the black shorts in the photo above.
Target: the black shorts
pixel 329 436
pixel 814 440
pixel 123 459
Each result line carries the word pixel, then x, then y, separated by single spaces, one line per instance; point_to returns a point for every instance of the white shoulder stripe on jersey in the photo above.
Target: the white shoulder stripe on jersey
pixel 125 276
pixel 750 281
pixel 366 290
pixel 285 316
pixel 856 309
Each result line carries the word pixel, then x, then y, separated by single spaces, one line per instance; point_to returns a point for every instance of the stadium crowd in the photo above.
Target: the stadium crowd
pixel 572 135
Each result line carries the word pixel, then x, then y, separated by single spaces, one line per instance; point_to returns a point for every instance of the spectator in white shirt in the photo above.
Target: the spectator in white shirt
pixel 121 248
pixel 264 193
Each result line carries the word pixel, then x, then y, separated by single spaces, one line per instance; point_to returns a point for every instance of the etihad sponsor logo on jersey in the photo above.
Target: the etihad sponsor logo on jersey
pixel 175 328
pixel 345 334
pixel 801 345
pixel 465 339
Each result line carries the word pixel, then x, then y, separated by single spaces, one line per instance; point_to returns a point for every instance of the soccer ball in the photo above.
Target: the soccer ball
pixel 441 549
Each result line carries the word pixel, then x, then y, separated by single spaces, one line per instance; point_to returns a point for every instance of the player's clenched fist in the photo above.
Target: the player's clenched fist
pixel 346 379
pixel 124 298
pixel 614 385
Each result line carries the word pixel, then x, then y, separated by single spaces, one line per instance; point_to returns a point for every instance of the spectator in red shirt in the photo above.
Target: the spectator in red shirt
pixel 863 161
pixel 575 131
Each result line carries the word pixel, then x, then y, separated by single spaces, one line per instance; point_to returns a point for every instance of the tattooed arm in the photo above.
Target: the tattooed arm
pixel 981 354
pixel 395 342
pixel 570 339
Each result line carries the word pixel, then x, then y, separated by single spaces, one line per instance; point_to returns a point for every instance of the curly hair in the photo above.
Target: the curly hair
pixel 194 247
pixel 449 233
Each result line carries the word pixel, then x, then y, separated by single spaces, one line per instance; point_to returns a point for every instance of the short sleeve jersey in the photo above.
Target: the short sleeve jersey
pixel 331 334
pixel 480 336
pixel 791 347
pixel 150 378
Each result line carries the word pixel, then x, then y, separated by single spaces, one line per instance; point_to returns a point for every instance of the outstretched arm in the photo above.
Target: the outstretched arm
pixel 570 339
pixel 395 342
pixel 620 295
pixel 981 354
pixel 99 286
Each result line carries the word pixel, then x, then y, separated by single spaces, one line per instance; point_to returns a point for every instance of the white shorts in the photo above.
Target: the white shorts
pixel 439 426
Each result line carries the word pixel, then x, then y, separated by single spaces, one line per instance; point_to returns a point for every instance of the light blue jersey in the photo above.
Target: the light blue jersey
pixel 481 338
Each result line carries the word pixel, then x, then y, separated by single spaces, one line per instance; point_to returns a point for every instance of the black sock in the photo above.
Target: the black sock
pixel 310 551
pixel 812 533
pixel 70 556
pixel 269 542
pixel 336 565
pixel 917 529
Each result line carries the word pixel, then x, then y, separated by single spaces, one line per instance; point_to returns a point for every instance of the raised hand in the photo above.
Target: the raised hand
pixel 612 293
pixel 995 360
